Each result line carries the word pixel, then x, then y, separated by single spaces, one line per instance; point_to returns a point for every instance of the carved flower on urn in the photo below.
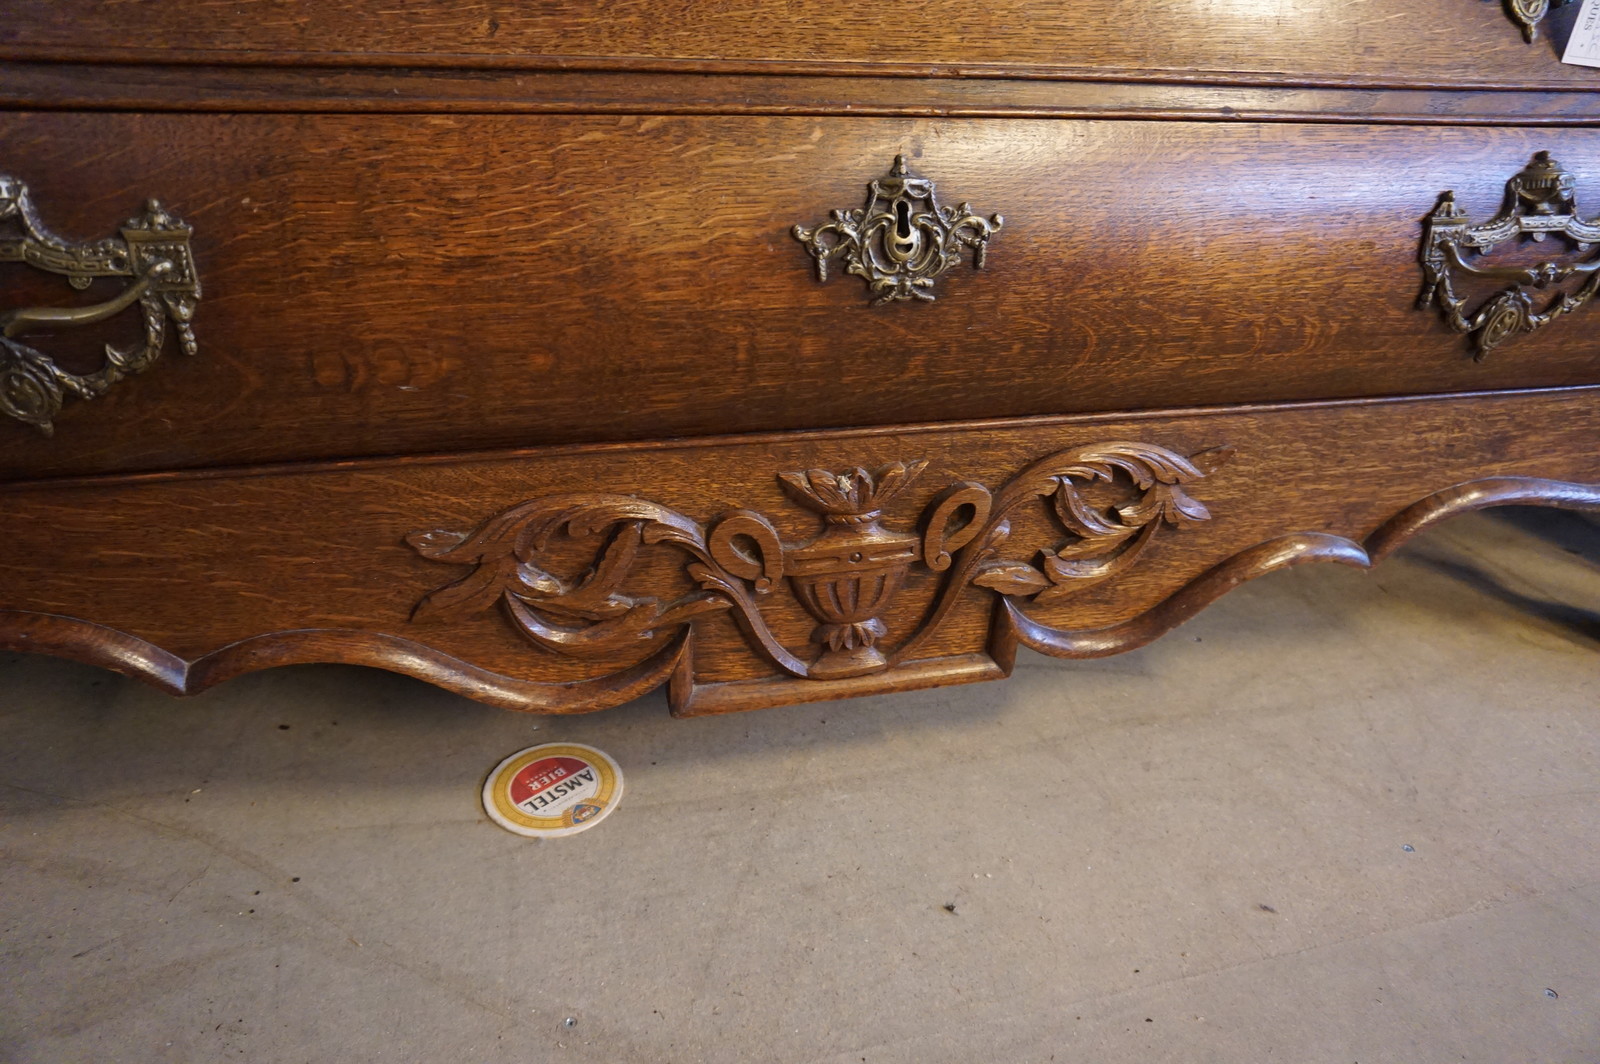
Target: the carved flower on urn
pixel 847 576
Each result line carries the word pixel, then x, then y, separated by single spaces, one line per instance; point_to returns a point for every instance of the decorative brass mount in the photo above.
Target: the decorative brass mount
pixel 1540 201
pixel 1111 498
pixel 902 239
pixel 1529 13
pixel 153 251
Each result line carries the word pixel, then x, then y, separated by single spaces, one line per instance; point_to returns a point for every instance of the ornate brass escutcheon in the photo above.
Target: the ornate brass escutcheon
pixel 1529 13
pixel 1540 202
pixel 152 252
pixel 902 239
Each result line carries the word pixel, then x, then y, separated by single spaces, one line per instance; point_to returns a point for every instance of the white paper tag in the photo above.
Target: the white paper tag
pixel 1584 46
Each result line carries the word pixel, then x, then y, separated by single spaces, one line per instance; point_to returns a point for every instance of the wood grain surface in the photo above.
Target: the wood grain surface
pixel 1387 42
pixel 358 89
pixel 389 284
pixel 188 579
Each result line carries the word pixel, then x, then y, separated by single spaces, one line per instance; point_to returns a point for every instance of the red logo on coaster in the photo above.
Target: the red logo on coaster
pixel 544 783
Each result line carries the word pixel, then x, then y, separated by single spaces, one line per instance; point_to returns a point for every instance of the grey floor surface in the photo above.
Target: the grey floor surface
pixel 1340 817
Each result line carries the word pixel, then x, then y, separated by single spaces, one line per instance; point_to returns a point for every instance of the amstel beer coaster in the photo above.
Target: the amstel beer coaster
pixel 554 789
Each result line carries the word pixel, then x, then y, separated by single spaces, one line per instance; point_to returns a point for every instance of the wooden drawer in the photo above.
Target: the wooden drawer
pixel 399 284
pixel 1385 42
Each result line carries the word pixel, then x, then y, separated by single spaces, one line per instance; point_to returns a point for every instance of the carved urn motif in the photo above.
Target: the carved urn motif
pixel 847 576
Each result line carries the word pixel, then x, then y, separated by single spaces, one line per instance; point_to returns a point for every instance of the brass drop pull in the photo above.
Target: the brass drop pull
pixel 153 252
pixel 1529 13
pixel 902 239
pixel 1540 202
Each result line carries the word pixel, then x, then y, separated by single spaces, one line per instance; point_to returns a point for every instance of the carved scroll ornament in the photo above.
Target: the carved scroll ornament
pixel 1540 202
pixel 152 252
pixel 1529 13
pixel 902 239
pixel 846 578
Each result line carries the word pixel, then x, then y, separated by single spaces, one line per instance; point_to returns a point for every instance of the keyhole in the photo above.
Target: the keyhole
pixel 902 212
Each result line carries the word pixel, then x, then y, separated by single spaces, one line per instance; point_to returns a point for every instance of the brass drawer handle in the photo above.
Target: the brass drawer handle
pixel 153 251
pixel 1529 13
pixel 1540 201
pixel 902 239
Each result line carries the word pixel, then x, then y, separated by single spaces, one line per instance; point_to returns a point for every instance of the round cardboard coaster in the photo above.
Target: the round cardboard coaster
pixel 554 789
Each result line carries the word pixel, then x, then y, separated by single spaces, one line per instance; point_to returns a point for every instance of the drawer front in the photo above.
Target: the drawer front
pixel 1390 42
pixel 396 284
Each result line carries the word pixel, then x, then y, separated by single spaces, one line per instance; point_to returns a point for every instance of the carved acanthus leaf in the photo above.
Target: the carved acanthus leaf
pixel 1012 578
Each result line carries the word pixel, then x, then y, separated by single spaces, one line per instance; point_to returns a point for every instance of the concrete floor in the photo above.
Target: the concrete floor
pixel 1339 817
